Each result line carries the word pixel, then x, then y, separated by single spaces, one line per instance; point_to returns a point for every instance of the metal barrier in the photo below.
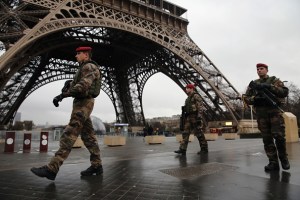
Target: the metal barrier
pixel 27 141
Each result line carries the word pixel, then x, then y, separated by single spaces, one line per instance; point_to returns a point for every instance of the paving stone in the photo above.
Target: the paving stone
pixel 231 170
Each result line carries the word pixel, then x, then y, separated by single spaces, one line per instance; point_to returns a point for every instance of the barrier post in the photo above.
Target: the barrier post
pixel 27 143
pixel 9 142
pixel 44 142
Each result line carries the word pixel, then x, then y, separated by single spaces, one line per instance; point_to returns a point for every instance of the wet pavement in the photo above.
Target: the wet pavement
pixel 233 169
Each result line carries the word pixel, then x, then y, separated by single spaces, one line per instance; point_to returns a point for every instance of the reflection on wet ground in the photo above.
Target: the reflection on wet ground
pixel 231 170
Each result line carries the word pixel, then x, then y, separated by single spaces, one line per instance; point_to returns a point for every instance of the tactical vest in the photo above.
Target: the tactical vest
pixel 190 104
pixel 271 80
pixel 95 88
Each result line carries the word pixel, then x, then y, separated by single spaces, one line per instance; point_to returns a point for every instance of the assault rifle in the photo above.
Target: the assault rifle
pixel 182 118
pixel 262 89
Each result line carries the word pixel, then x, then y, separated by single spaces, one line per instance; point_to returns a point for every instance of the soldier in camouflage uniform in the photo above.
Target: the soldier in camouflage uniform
pixel 269 117
pixel 194 121
pixel 84 88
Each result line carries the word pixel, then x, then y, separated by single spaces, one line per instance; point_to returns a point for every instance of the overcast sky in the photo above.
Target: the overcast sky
pixel 234 34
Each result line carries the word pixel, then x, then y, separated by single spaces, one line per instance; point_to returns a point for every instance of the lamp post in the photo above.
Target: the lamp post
pixel 287 99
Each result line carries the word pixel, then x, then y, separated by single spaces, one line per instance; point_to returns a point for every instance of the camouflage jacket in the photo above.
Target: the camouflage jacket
pixel 86 76
pixel 279 91
pixel 194 105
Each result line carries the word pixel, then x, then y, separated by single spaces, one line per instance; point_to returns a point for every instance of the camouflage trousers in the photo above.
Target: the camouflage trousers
pixel 271 125
pixel 193 126
pixel 80 124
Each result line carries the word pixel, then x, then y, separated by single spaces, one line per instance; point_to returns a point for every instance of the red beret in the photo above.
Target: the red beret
pixel 83 49
pixel 191 86
pixel 261 65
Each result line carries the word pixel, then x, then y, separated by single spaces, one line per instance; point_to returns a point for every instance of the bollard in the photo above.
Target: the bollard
pixel 27 143
pixel 9 142
pixel 44 142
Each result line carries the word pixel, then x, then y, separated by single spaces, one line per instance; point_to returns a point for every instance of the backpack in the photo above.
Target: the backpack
pixel 96 86
pixel 94 91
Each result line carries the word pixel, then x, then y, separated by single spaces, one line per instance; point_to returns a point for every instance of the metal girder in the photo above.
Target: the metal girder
pixel 130 43
pixel 17 18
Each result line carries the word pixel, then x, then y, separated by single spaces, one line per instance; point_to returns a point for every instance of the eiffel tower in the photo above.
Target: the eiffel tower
pixel 131 40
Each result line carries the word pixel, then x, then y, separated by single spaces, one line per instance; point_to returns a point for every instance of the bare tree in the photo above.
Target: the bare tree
pixel 293 100
pixel 28 125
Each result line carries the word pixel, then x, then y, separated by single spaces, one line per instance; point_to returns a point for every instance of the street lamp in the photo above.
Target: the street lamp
pixel 287 99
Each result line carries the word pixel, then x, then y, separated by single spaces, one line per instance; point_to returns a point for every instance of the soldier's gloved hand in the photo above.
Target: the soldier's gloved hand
pixel 57 99
pixel 260 86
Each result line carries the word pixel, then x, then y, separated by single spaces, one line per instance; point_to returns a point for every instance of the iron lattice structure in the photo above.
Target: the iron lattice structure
pixel 132 40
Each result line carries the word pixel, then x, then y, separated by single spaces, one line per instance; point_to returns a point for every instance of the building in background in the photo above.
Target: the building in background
pixel 98 125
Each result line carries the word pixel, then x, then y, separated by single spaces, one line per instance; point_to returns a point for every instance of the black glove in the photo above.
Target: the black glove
pixel 259 86
pixel 57 99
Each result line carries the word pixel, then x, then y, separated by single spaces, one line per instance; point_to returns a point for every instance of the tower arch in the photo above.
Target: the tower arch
pixel 132 40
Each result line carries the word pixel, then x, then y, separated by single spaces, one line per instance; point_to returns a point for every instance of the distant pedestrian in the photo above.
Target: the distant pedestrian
pixel 84 88
pixel 145 131
pixel 157 131
pixel 267 94
pixel 150 130
pixel 194 121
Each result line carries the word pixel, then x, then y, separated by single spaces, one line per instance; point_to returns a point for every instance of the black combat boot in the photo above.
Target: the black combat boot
pixel 203 151
pixel 285 164
pixel 272 166
pixel 92 170
pixel 181 151
pixel 44 172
